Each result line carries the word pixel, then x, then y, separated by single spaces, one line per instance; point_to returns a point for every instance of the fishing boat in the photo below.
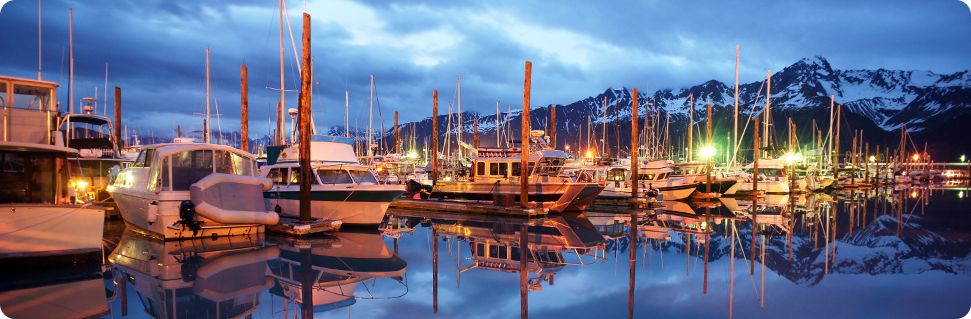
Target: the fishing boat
pixel 212 278
pixel 38 220
pixel 772 179
pixel 659 175
pixel 496 177
pixel 99 158
pixel 190 190
pixel 342 188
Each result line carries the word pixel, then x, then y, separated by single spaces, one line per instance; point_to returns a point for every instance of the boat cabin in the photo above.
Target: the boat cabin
pixel 175 167
pixel 29 110
pixel 33 173
pixel 502 164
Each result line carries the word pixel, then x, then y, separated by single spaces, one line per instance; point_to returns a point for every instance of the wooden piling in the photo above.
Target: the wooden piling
pixel 524 159
pixel 396 136
pixel 475 132
pixel 244 108
pixel 553 126
pixel 434 137
pixel 178 131
pixel 304 114
pixel 118 115
pixel 633 144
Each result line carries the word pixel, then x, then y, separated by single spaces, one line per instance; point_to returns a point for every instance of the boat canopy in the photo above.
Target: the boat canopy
pixel 168 149
pixel 774 163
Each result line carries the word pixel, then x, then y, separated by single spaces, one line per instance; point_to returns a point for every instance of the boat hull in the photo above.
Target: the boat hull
pixel 41 231
pixel 134 208
pixel 558 197
pixel 357 206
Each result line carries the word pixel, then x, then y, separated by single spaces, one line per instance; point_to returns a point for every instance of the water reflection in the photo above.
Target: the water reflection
pixel 862 252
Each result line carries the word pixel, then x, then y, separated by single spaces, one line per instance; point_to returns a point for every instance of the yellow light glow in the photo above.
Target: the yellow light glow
pixel 412 154
pixel 707 151
pixel 80 184
pixel 589 154
pixel 913 194
pixel 915 157
pixel 873 158
pixel 567 147
pixel 793 158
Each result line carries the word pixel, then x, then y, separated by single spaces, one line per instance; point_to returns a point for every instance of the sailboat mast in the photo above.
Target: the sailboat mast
pixel 280 127
pixel 768 108
pixel 205 123
pixel 735 125
pixel 603 144
pixel 105 103
pixel 691 121
pixel 459 101
pixel 347 102
pixel 39 42
pixel 370 119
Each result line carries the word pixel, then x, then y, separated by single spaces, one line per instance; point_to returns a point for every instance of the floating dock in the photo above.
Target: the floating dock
pixel 294 227
pixel 469 207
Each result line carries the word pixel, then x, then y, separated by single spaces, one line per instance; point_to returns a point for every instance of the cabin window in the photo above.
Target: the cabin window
pixel 276 176
pixel 493 169
pixel 503 252
pixel 516 168
pixel 480 168
pixel 514 253
pixel 189 167
pixel 295 176
pixel 493 251
pixel 27 177
pixel 29 97
pixel 503 169
pixel 334 176
pixel 646 177
pixel 616 175
pixel 232 163
pixel 364 177
pixel 3 95
pixel 480 249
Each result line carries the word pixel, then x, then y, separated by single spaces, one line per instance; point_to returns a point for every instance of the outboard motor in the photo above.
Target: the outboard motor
pixel 187 217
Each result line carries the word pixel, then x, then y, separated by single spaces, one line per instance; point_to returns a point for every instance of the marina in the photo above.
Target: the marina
pixel 251 192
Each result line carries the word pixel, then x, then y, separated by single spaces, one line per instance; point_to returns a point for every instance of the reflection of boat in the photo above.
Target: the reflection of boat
pixel 77 296
pixel 554 243
pixel 189 190
pixel 207 278
pixel 496 177
pixel 36 218
pixel 341 188
pixel 339 263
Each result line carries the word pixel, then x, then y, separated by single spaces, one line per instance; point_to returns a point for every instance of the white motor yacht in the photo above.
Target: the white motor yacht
pixel 772 179
pixel 189 190
pixel 342 188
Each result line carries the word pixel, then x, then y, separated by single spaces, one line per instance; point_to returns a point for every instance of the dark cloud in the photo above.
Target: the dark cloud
pixel 155 49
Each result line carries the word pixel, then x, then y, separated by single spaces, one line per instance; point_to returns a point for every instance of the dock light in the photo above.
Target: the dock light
pixel 913 194
pixel 412 154
pixel 915 157
pixel 707 151
pixel 567 147
pixel 589 154
pixel 961 195
pixel 962 158
pixel 873 158
pixel 791 158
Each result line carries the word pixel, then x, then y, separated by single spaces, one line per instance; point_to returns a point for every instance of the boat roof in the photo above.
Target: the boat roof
pixel 19 80
pixel 515 153
pixel 166 149
pixel 35 147
pixel 769 163
pixel 88 118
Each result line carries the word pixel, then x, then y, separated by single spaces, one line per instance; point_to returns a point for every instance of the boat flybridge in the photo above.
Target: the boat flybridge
pixel 342 188
pixel 190 190
pixel 37 217
pixel 99 158
pixel 496 177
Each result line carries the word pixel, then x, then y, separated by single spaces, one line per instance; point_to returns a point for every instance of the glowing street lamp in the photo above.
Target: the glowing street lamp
pixel 873 159
pixel 707 152
pixel 915 157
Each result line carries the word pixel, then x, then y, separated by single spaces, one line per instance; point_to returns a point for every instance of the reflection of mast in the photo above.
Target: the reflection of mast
pixel 632 247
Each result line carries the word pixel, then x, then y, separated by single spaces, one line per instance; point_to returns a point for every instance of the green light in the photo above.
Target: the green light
pixel 962 157
pixel 791 158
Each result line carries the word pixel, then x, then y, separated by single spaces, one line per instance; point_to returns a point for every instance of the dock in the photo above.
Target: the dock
pixel 294 227
pixel 468 207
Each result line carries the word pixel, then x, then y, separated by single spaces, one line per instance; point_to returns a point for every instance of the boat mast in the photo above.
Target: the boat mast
pixel 70 92
pixel 205 122
pixel 691 119
pixel 459 102
pixel 768 108
pixel 497 123
pixel 280 128
pixel 603 144
pixel 105 103
pixel 39 42
pixel 370 119
pixel 347 132
pixel 735 126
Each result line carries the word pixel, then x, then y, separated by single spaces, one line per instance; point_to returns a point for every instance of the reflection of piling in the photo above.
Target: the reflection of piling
pixel 524 144
pixel 304 125
pixel 435 268
pixel 524 271
pixel 633 145
pixel 123 295
pixel 118 115
pixel 632 247
pixel 307 283
pixel 244 108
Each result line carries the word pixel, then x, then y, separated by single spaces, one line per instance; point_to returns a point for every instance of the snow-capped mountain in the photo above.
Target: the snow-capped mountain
pixel 878 102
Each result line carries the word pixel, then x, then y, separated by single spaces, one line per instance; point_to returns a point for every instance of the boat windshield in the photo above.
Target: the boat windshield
pixel 334 176
pixel 185 168
pixel 364 177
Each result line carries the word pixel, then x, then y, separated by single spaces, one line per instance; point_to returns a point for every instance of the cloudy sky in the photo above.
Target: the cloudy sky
pixel 155 49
